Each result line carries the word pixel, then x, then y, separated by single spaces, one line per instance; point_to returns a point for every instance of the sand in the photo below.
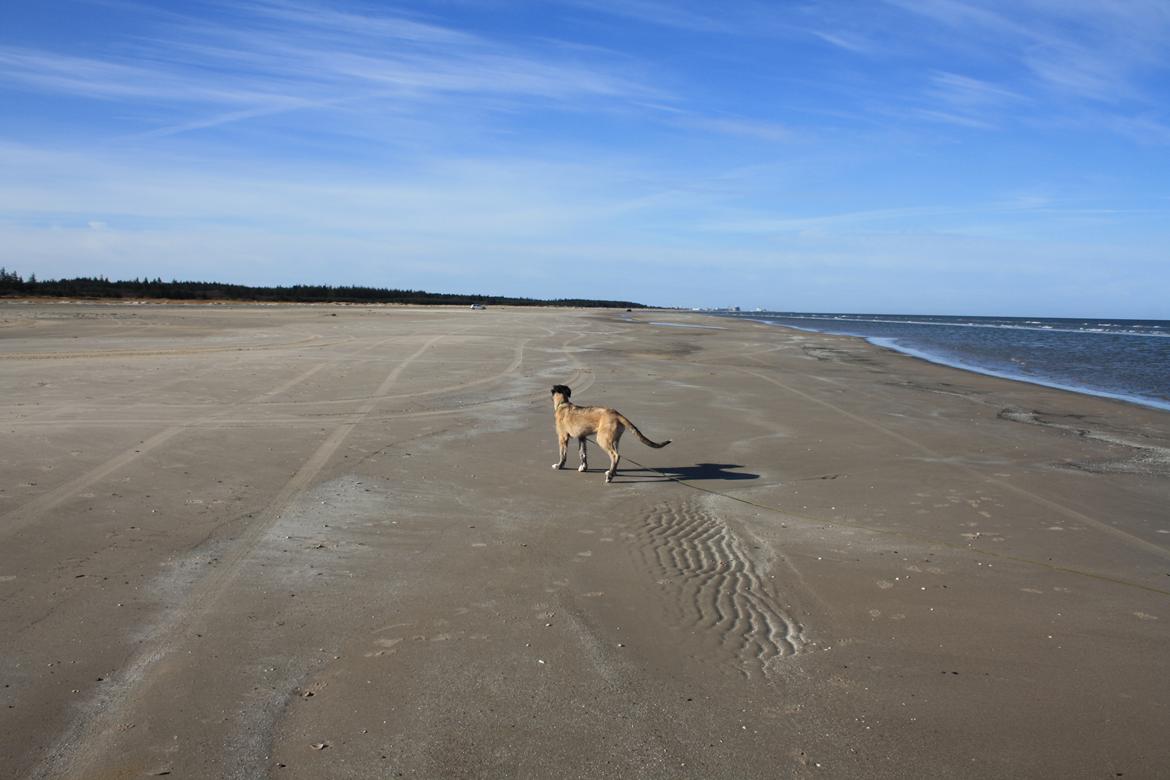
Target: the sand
pixel 326 541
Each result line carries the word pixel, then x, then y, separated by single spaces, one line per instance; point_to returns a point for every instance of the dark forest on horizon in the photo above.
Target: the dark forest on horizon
pixel 13 285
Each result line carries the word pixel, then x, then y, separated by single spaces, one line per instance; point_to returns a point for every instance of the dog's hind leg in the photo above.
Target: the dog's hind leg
pixel 608 441
pixel 581 451
pixel 608 437
pixel 612 451
pixel 563 443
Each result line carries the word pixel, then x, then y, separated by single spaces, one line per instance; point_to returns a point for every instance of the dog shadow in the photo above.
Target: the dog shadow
pixel 699 471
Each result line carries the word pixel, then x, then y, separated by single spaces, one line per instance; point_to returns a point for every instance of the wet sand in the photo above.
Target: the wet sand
pixel 304 542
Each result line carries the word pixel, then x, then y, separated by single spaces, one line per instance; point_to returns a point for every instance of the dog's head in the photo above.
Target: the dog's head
pixel 562 390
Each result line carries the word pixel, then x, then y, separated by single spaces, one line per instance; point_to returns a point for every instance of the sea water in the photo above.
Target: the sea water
pixel 1115 358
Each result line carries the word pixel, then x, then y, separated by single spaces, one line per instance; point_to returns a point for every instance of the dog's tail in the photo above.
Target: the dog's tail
pixel 641 437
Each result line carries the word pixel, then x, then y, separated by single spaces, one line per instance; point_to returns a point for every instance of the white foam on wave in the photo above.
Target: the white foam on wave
pixel 1103 328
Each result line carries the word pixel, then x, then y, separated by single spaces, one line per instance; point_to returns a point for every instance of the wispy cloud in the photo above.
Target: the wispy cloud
pixel 961 100
pixel 666 14
pixel 960 14
pixel 272 57
pixel 1018 214
pixel 772 132
pixel 845 220
pixel 362 25
pixel 848 41
pixel 107 79
pixel 961 90
pixel 1144 129
pixel 1083 49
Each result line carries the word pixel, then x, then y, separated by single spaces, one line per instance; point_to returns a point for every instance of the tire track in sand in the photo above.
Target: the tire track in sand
pixel 84 746
pixel 136 353
pixel 33 510
pixel 717 589
pixel 222 419
pixel 22 516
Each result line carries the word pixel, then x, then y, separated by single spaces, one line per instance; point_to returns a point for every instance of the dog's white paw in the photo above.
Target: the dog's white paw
pixel 557 465
pixel 582 467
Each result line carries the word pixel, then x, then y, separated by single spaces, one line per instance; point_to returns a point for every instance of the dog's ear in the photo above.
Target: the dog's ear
pixel 563 390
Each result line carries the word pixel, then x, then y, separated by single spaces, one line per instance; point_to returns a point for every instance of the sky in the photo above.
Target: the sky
pixel 893 156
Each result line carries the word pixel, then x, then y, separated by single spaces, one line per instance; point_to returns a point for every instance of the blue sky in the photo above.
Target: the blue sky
pixel 919 156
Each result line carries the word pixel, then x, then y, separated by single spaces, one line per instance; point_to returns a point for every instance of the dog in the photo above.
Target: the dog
pixel 581 421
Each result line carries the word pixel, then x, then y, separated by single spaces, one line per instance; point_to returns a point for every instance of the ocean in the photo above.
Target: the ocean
pixel 1124 359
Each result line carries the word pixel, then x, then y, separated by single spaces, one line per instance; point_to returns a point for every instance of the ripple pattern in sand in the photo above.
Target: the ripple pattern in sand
pixel 718 588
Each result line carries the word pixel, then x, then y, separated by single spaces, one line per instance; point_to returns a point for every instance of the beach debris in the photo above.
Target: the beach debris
pixel 319 745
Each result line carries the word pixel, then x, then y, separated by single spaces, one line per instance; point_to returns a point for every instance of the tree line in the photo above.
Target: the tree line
pixel 13 285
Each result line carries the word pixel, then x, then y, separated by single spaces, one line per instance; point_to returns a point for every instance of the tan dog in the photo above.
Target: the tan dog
pixel 581 421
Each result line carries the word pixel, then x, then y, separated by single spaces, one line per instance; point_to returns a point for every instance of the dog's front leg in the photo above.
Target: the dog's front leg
pixel 584 458
pixel 563 443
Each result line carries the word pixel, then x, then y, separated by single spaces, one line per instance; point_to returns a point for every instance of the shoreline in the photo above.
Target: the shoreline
pixel 890 343
pixel 251 541
pixel 1148 403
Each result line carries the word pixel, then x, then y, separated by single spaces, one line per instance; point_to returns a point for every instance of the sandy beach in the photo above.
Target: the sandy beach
pixel 326 541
